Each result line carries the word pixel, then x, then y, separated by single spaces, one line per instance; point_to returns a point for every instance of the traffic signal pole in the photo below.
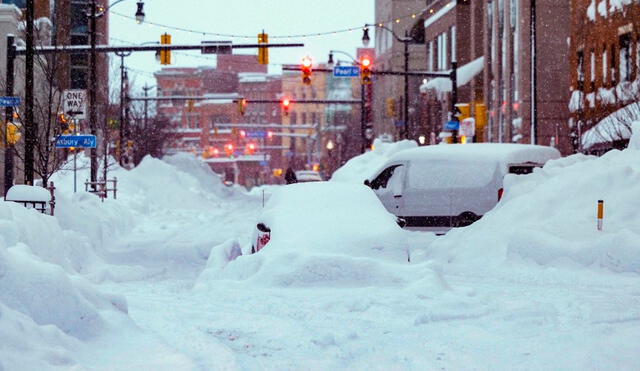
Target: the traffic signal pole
pixel 8 116
pixel 14 51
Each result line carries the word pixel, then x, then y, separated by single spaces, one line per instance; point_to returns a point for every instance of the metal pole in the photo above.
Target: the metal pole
pixel 75 157
pixel 146 89
pixel 534 93
pixel 362 120
pixel 8 112
pixel 30 126
pixel 93 115
pixel 406 86
pixel 121 126
pixel 454 98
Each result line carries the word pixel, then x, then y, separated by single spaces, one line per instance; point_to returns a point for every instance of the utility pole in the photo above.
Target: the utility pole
pixel 534 92
pixel 146 107
pixel 8 116
pixel 31 127
pixel 121 126
pixel 454 99
pixel 93 114
pixel 406 41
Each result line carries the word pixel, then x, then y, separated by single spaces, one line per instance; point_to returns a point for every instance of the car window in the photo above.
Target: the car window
pixel 382 180
pixel 522 169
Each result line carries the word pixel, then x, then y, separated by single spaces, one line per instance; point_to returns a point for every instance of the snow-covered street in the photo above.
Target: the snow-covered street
pixel 147 281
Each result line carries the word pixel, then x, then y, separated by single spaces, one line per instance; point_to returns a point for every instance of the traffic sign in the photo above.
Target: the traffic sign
pixel 9 101
pixel 452 125
pixel 468 127
pixel 256 134
pixel 346 71
pixel 75 103
pixel 76 141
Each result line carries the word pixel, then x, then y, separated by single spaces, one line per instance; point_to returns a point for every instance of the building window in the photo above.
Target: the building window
pixel 593 68
pixel 313 118
pixel 442 51
pixel 613 65
pixel 430 56
pixel 303 118
pixel 625 57
pixel 453 44
pixel 604 66
pixel 294 118
pixel 580 70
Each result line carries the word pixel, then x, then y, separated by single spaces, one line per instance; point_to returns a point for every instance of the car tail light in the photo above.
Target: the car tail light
pixel 500 193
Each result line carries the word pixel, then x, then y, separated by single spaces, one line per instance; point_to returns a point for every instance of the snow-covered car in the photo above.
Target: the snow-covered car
pixel 303 176
pixel 329 217
pixel 437 188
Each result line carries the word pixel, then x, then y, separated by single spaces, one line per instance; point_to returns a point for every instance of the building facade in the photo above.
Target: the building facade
pixel 402 17
pixel 514 96
pixel 605 67
pixel 453 32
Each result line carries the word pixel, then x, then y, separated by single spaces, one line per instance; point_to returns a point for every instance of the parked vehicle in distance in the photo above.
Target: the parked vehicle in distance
pixel 308 176
pixel 436 188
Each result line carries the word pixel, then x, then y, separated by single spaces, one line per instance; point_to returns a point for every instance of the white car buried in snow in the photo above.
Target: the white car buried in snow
pixel 326 217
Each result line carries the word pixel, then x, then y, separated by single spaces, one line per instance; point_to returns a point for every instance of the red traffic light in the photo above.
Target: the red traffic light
pixel 243 133
pixel 306 70
pixel 228 149
pixel 306 62
pixel 366 62
pixel 250 148
pixel 365 70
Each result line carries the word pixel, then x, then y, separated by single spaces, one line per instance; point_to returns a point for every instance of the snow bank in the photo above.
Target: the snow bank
pixel 548 219
pixel 322 234
pixel 364 166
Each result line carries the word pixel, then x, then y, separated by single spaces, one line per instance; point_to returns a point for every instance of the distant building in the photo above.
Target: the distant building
pixel 605 71
pixel 201 126
pixel 303 146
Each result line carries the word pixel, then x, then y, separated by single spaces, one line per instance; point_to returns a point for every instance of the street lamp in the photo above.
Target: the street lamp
pixel 405 40
pixel 94 14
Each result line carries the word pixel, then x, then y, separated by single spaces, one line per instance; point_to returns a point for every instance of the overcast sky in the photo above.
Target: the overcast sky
pixel 239 17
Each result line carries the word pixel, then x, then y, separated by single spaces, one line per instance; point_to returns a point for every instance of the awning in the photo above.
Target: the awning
pixel 465 74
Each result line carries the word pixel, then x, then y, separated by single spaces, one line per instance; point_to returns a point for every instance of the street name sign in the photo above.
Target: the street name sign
pixel 9 101
pixel 452 125
pixel 346 71
pixel 76 141
pixel 75 103
pixel 256 134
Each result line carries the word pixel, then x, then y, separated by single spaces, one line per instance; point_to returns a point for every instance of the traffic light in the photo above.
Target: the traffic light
pixel 13 134
pixel 250 148
pixel 365 70
pixel 391 107
pixel 64 123
pixel 243 134
pixel 228 149
pixel 285 106
pixel 242 106
pixel 306 70
pixel 263 51
pixel 269 134
pixel 165 55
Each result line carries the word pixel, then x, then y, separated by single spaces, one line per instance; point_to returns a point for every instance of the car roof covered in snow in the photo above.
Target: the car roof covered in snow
pixel 504 153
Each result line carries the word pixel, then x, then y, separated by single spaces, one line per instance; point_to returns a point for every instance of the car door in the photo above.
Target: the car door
pixel 389 187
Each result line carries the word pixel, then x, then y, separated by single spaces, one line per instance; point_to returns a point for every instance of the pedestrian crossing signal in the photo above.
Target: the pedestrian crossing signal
pixel 165 55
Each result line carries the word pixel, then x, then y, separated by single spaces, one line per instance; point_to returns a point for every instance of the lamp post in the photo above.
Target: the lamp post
pixel 93 14
pixel 405 40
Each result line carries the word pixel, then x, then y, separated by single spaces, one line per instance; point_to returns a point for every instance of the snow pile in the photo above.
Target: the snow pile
pixel 364 166
pixel 548 218
pixel 323 233
pixel 44 304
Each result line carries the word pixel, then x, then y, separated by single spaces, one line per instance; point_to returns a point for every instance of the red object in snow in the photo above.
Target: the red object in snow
pixel 262 240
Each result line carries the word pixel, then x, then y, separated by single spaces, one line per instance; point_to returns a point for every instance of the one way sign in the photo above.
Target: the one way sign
pixel 75 103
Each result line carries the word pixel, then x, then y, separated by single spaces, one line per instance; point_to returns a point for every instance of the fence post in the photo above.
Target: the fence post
pixel 52 202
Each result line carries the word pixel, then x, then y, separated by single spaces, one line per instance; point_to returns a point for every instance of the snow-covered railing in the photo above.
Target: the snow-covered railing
pixel 33 197
pixel 101 187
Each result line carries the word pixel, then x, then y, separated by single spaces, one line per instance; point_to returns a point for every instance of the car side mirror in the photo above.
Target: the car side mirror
pixel 402 222
pixel 367 183
pixel 263 228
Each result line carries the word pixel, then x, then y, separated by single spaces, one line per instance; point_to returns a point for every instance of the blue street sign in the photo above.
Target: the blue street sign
pixel 452 125
pixel 264 163
pixel 346 71
pixel 76 141
pixel 9 101
pixel 256 134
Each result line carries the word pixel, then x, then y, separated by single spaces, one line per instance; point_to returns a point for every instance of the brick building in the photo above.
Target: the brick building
pixel 303 146
pixel 453 32
pixel 198 126
pixel 403 18
pixel 507 72
pixel 605 64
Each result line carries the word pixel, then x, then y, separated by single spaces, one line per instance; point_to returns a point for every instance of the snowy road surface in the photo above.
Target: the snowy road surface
pixel 496 324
